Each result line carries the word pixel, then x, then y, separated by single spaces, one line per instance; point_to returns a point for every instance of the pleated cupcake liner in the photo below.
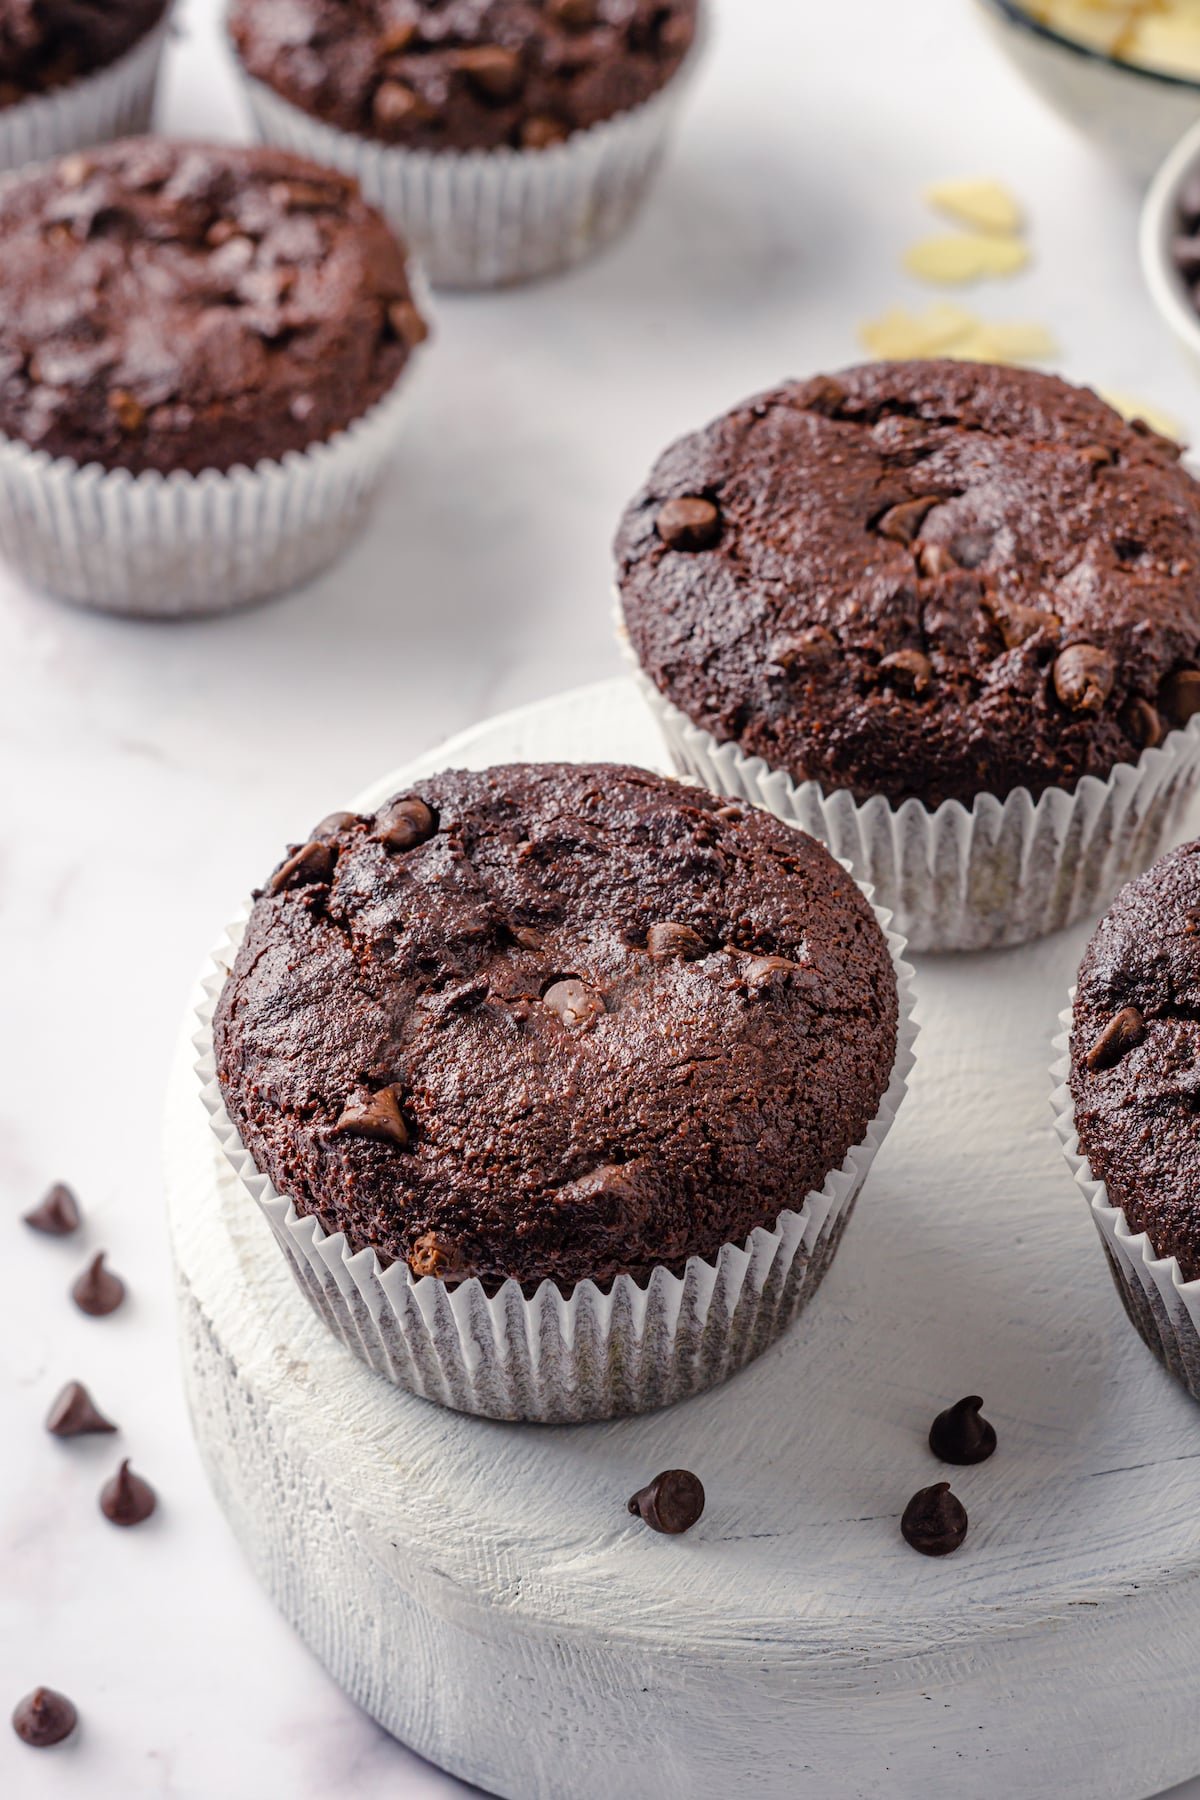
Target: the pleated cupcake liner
pixel 181 545
pixel 494 218
pixel 955 878
pixel 1162 1307
pixel 550 1359
pixel 116 101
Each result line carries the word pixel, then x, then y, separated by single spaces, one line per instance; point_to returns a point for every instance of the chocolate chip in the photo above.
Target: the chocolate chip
pixel 574 15
pixel 904 521
pixel 1020 623
pixel 403 824
pixel 1180 696
pixel 75 1414
pixel 56 1213
pixel 127 409
pixel 394 40
pixel 796 652
pixel 312 863
pixel 98 1291
pixel 331 825
pixel 405 323
pixel 127 1499
pixel 1099 455
pixel 766 971
pixel 672 1503
pixel 934 560
pixel 960 1435
pixel 541 132
pixel 575 1004
pixel 1143 723
pixel 438 1257
pixel 934 1522
pixel 1083 677
pixel 43 1718
pixel 526 937
pixel 378 1116
pixel 492 70
pixel 395 106
pixel 671 941
pixel 1122 1033
pixel 308 196
pixel 909 670
pixel 689 523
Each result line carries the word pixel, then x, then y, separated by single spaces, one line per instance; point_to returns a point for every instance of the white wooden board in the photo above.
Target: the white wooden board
pixel 480 1589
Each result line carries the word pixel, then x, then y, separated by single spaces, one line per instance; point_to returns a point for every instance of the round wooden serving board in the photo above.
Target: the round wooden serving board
pixel 481 1590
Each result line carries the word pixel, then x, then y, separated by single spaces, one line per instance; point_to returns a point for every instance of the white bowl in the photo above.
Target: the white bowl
pixel 1160 224
pixel 1134 114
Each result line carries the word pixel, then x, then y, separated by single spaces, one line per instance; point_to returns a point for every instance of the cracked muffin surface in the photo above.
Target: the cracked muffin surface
pixel 928 579
pixel 555 1022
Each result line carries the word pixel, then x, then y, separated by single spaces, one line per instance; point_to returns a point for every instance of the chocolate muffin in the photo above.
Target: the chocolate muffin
pixel 44 44
pixel 464 74
pixel 1135 1055
pixel 168 306
pixel 555 1021
pixel 928 580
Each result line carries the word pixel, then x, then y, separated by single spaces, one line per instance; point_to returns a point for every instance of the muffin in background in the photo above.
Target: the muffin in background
pixel 73 73
pixel 557 1082
pixel 506 139
pixel 944 615
pixel 201 359
pixel 1126 1108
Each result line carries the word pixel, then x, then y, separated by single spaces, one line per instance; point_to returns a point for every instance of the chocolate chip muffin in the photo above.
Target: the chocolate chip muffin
pixel 168 306
pixel 464 74
pixel 928 581
pixel 555 1021
pixel 1135 1056
pixel 45 44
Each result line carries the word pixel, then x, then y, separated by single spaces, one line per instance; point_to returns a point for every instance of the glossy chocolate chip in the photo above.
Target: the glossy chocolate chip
pixel 934 1521
pixel 961 1435
pixel 98 1291
pixel 396 106
pixel 1180 696
pixel 127 1499
pixel 376 1116
pixel 669 941
pixel 405 323
pixel 43 1718
pixel 689 523
pixel 394 40
pixel 799 651
pixel 403 824
pixel 1083 677
pixel 904 521
pixel 1144 724
pixel 1020 623
pixel 56 1213
pixel 572 1002
pixel 766 971
pixel 492 71
pixel 312 863
pixel 436 1256
pixel 75 1414
pixel 672 1503
pixel 909 670
pixel 1121 1034
pixel 575 15
pixel 331 825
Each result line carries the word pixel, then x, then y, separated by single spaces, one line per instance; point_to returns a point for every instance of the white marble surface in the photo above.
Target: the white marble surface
pixel 149 774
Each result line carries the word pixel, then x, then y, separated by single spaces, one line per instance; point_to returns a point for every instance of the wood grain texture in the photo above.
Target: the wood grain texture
pixel 481 1590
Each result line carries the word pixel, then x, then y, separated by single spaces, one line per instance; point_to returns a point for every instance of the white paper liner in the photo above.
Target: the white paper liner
pixel 116 101
pixel 548 1359
pixel 492 218
pixel 169 546
pixel 1162 1306
pixel 998 874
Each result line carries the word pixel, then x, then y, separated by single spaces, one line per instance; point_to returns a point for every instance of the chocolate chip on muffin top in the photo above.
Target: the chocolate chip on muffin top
pixel 559 1021
pixel 1135 1055
pixel 929 579
pixel 183 306
pixel 464 74
pixel 45 44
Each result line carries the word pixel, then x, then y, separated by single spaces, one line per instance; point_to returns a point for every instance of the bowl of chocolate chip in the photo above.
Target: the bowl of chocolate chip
pixel 1170 243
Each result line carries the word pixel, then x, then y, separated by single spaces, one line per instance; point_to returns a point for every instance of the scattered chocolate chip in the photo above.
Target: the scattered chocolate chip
pixel 1099 455
pixel 331 824
pixel 403 824
pixel 671 941
pixel 575 15
pixel 526 937
pixel 436 1256
pixel 1020 623
pixel 493 71
pixel 394 40
pixel 764 971
pixel 902 522
pixel 378 1116
pixel 313 862
pixel 56 1213
pixel 960 1435
pixel 541 132
pixel 689 523
pixel 405 323
pixel 934 1522
pixel 1143 723
pixel 1122 1033
pixel 75 1414
pixel 127 1499
pixel 672 1503
pixel 796 652
pixel 397 106
pixel 1083 677
pixel 43 1718
pixel 98 1291
pixel 574 1003
pixel 1180 696
pixel 127 409
pixel 909 670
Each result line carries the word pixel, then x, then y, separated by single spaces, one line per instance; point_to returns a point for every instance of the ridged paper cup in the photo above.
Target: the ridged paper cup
pixel 956 878
pixel 493 218
pixel 548 1359
pixel 178 545
pixel 112 102
pixel 1163 1307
